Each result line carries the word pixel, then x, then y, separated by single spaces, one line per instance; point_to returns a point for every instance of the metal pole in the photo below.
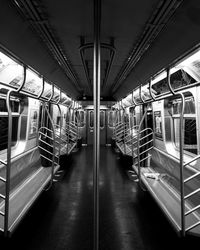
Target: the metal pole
pixel 7 196
pixel 181 165
pixel 96 93
pixel 181 143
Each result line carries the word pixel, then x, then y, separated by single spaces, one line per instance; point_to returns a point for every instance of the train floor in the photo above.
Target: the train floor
pixel 62 217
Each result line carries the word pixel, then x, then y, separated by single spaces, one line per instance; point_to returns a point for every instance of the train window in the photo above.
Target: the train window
pixel 190 131
pixel 58 120
pixel 4 123
pixel 181 78
pixel 56 94
pixel 81 118
pixel 136 95
pixel 63 98
pixel 132 116
pixel 91 117
pixel 102 119
pixel 67 116
pixel 10 71
pixel 111 119
pixel 33 83
pixel 145 92
pixel 178 79
pixel 48 88
pixel 14 105
pixel 4 132
pixel 159 84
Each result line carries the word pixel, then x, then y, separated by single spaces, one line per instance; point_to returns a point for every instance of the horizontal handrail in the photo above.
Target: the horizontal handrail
pixel 46 150
pixel 2 213
pixel 46 143
pixel 2 179
pixel 144 130
pixel 116 124
pixel 146 143
pixel 2 196
pixel 46 129
pixel 193 226
pixel 143 159
pixel 119 129
pixel 189 162
pixel 3 162
pixel 45 135
pixel 142 138
pixel 191 177
pixel 191 194
pixel 46 158
pixel 192 210
pixel 146 150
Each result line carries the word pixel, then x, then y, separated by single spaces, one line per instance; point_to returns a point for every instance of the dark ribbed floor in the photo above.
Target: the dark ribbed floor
pixel 62 218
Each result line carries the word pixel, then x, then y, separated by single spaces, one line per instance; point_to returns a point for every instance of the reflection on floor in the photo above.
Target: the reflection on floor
pixel 62 218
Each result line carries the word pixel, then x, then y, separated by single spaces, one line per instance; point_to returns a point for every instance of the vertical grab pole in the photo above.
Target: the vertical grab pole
pixel 96 93
pixel 181 166
pixel 6 220
pixel 60 134
pixel 68 127
pixel 181 129
pixel 124 127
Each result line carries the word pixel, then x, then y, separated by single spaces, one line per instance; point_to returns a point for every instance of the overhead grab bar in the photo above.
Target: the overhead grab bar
pixel 140 91
pixel 42 90
pixel 24 80
pixel 169 82
pixel 133 99
pixel 150 90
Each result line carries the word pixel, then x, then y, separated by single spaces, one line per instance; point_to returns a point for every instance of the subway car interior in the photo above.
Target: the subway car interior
pixel 99 126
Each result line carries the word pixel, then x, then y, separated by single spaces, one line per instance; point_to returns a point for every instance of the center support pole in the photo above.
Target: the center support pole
pixel 96 101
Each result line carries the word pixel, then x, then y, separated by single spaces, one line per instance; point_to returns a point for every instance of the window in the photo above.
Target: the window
pixel 91 118
pixel 132 117
pixel 189 123
pixel 178 79
pixel 81 118
pixel 4 123
pixel 102 119
pixel 111 118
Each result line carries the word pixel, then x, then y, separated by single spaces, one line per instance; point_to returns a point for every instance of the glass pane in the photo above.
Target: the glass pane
pixel 33 83
pixel 145 92
pixel 189 106
pixel 13 104
pixel 4 132
pixel 111 118
pixel 68 116
pixel 64 98
pixel 176 132
pixel 47 90
pixel 56 94
pixel 10 71
pixel 159 84
pixel 82 118
pixel 180 79
pixel 136 95
pixel 102 119
pixel 190 136
pixel 91 119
